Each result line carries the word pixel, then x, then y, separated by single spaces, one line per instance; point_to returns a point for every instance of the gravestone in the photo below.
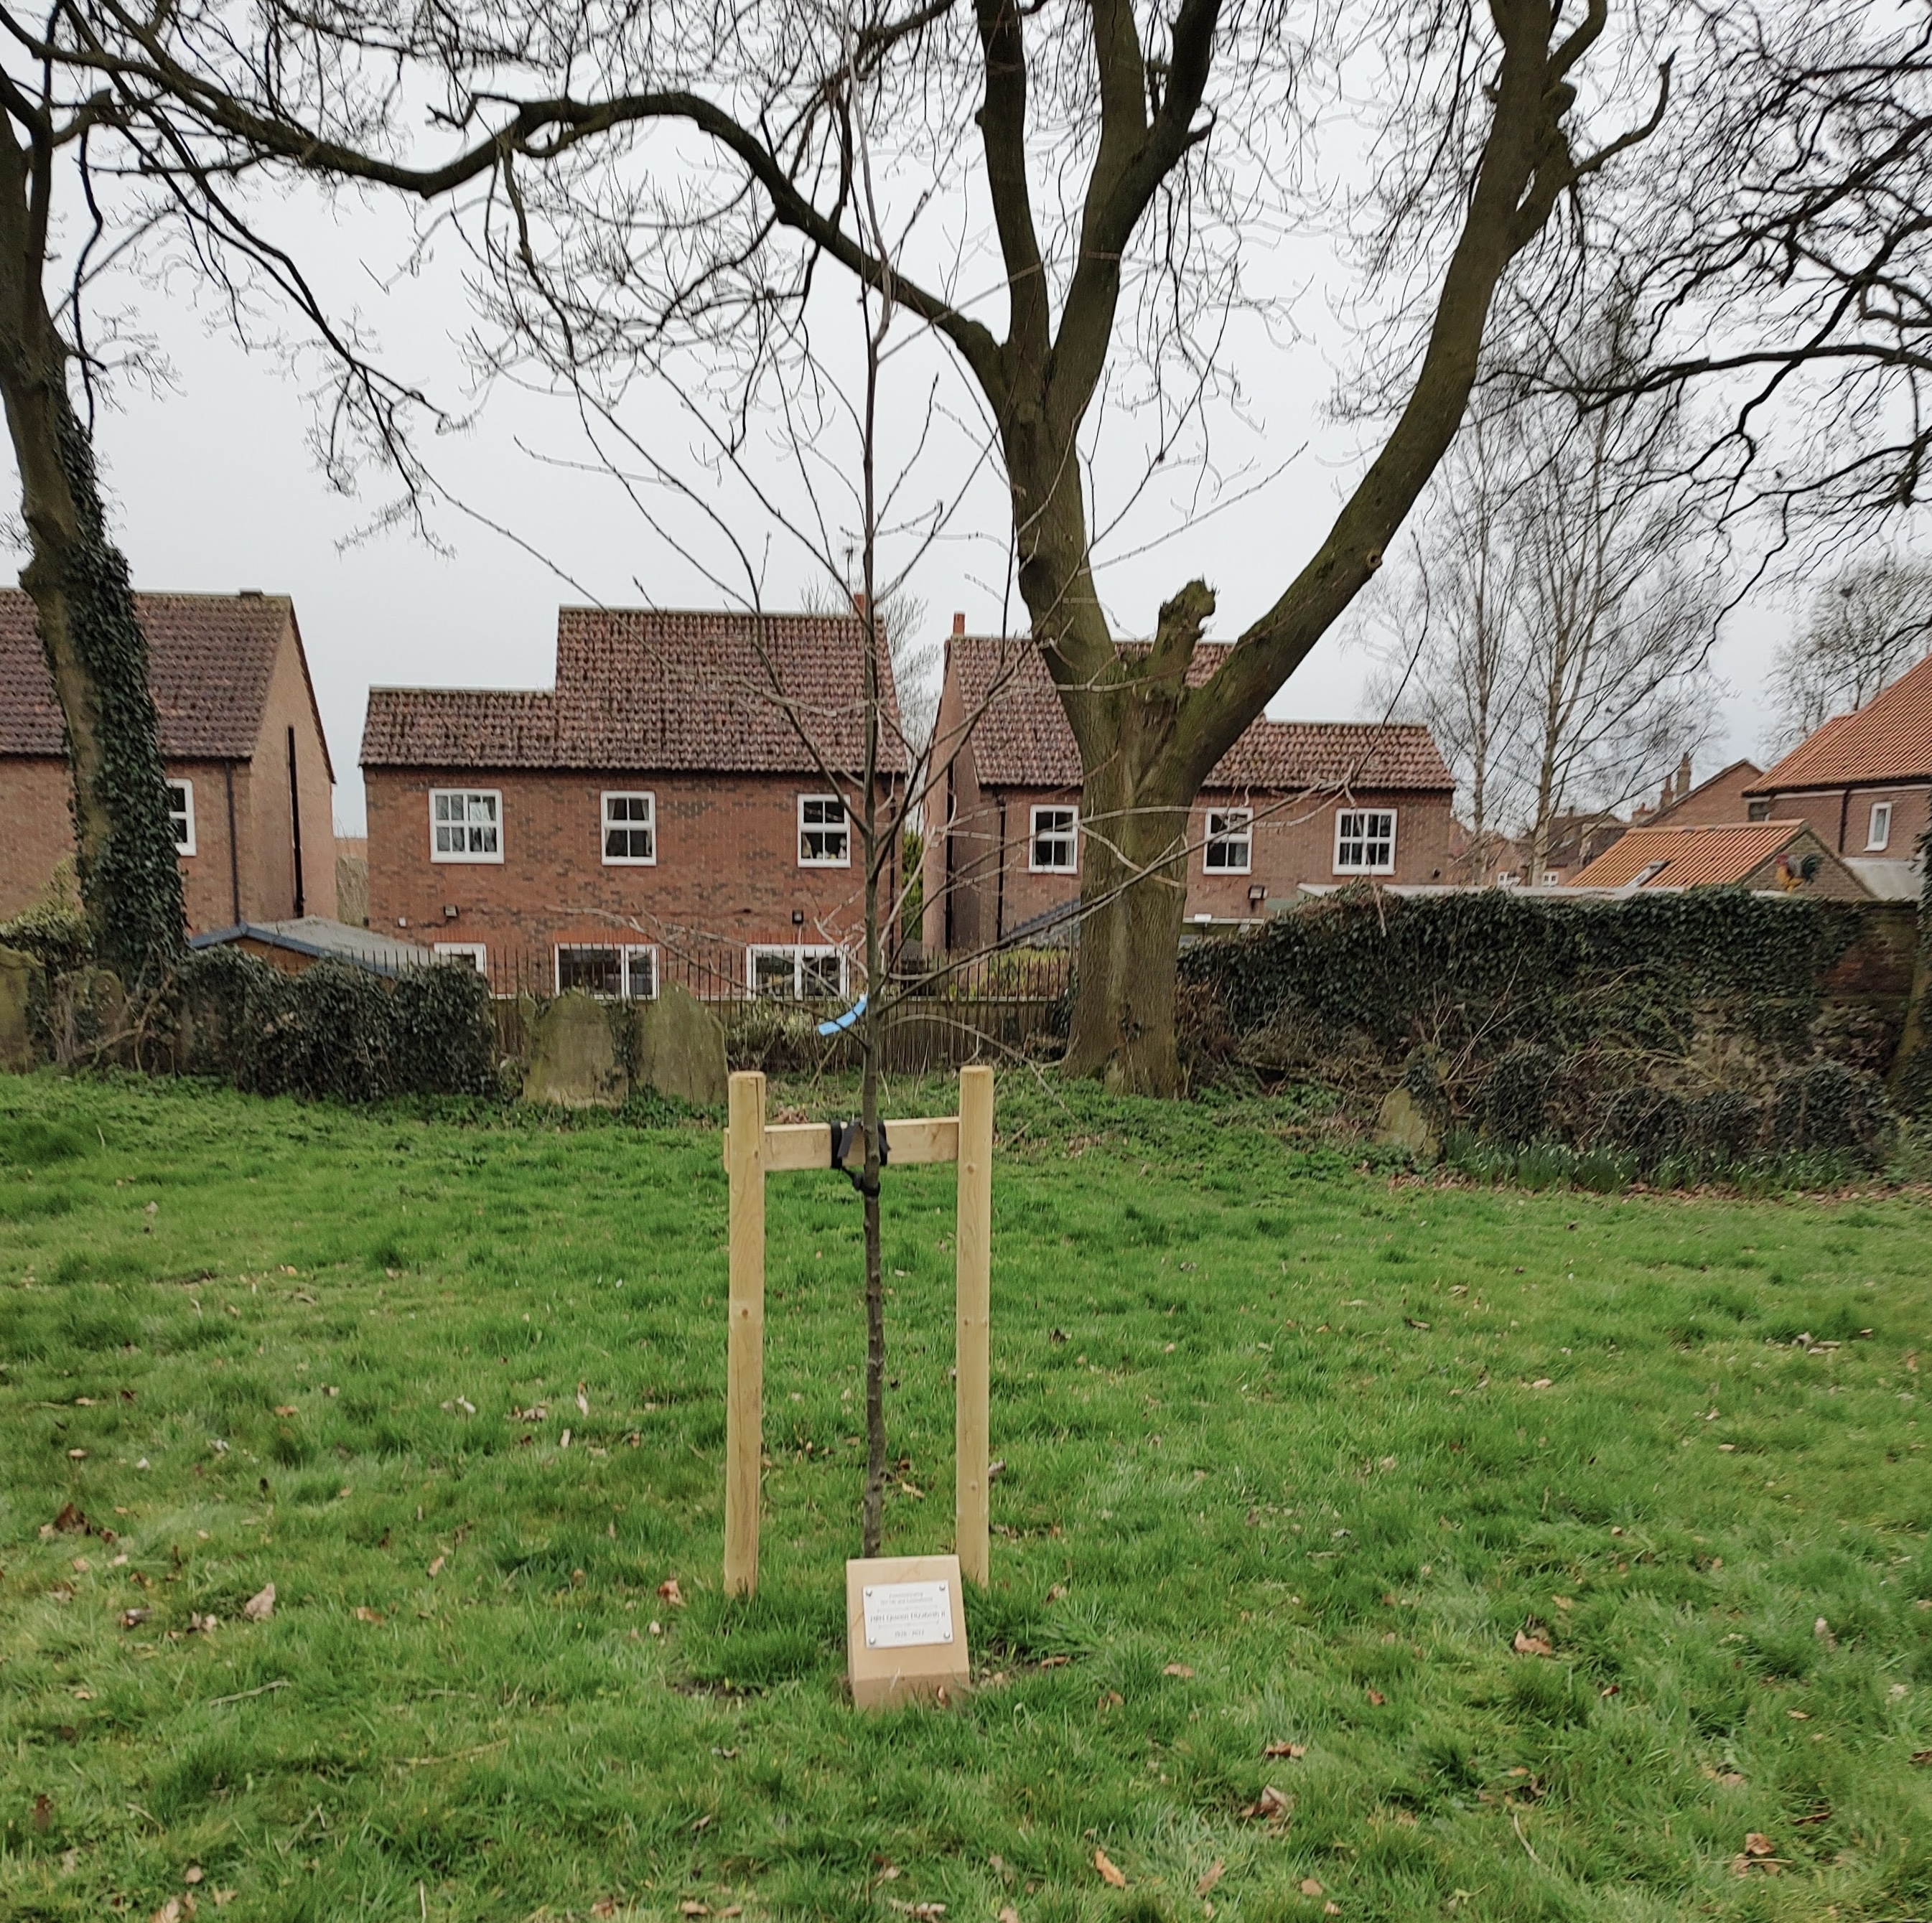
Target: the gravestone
pixel 679 1048
pixel 573 1056
pixel 1405 1123
pixel 16 976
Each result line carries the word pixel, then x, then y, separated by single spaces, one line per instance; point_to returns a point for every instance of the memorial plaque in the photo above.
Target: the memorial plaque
pixel 906 1630
pixel 903 1616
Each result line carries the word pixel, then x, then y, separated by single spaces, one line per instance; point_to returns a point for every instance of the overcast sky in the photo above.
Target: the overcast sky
pixel 213 486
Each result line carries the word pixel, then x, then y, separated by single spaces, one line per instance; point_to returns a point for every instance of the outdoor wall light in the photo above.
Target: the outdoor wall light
pixel 798 918
pixel 1257 894
pixel 449 910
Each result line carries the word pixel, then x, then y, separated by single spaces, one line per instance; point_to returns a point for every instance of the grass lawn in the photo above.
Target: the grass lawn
pixel 1575 1544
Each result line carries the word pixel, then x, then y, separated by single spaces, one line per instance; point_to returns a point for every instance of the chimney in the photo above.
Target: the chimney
pixel 958 625
pixel 859 605
pixel 1683 777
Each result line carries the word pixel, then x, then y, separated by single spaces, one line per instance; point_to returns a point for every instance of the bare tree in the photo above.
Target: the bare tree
pixel 1117 155
pixel 1568 587
pixel 1450 638
pixel 1783 241
pixel 1866 627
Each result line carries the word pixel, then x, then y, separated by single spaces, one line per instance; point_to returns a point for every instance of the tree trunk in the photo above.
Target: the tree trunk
pixel 124 849
pixel 1133 892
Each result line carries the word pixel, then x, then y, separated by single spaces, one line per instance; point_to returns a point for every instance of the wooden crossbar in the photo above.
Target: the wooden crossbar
pixel 808 1145
pixel 753 1149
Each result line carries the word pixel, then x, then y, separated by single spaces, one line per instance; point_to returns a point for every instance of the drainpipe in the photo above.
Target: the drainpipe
pixel 999 896
pixel 234 854
pixel 295 824
pixel 1844 809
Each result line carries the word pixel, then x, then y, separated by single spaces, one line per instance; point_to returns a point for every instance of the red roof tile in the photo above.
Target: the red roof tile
pixel 1022 738
pixel 1713 856
pixel 210 659
pixel 647 690
pixel 1889 739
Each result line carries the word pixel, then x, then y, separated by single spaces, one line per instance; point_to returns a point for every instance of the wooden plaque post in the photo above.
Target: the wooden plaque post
pixel 752 1151
pixel 745 1343
pixel 973 1245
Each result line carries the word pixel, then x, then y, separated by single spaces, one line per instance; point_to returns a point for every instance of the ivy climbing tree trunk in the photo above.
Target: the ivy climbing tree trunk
pixel 124 851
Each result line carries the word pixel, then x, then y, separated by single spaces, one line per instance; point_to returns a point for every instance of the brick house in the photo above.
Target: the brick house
pixel 1863 783
pixel 679 806
pixel 250 785
pixel 1291 802
pixel 1719 797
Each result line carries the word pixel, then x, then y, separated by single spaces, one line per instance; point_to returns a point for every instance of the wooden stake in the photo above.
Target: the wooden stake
pixel 744 1345
pixel 972 1436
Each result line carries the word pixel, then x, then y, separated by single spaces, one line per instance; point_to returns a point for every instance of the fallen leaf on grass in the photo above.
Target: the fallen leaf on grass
pixel 1108 1873
pixel 43 1810
pixel 1922 1759
pixel 1211 1878
pixel 132 1619
pixel 668 1591
pixel 1527 1644
pixel 364 1613
pixel 169 1913
pixel 1310 1887
pixel 70 1518
pixel 1376 1699
pixel 604 1905
pixel 259 1607
pixel 1008 1914
pixel 436 1568
pixel 694 1909
pixel 583 1399
pixel 1270 1805
pixel 202 1625
pixel 1178 1669
pixel 1799 1715
pixel 192 1874
pixel 1822 1813
pixel 1294 1751
pixel 1759 1844
pixel 1054 1595
pixel 285 1409
pixel 1331 1909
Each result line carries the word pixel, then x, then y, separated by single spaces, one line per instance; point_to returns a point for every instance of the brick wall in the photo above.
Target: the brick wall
pixel 262 801
pixel 727 874
pixel 35 794
pixel 34 805
pixel 1841 818
pixel 995 890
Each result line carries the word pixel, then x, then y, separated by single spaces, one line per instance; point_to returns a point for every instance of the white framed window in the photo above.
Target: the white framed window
pixel 824 834
pixel 630 830
pixel 614 971
pixel 1053 841
pixel 1365 841
pixel 180 815
pixel 796 974
pixel 1877 836
pixel 1231 841
pixel 475 952
pixel 466 824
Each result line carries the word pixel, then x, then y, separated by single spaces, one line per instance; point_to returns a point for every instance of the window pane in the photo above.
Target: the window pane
pixel 819 977
pixel 774 972
pixel 1228 838
pixel 594 971
pixel 823 832
pixel 640 973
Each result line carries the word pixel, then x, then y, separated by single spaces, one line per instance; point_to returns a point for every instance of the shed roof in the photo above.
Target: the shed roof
pixel 1711 856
